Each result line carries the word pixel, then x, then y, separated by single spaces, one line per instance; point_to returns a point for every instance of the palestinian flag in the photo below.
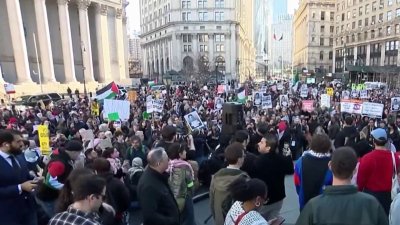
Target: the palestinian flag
pixel 241 96
pixel 151 83
pixel 107 92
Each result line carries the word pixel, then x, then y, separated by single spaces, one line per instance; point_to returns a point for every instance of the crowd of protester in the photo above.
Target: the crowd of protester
pixel 344 166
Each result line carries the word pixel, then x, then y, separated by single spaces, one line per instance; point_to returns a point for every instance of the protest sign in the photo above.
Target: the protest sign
pixel 371 109
pixel 351 106
pixel 395 104
pixel 304 91
pixel 44 140
pixel 9 88
pixel 363 94
pixel 325 100
pixel 221 89
pixel 95 108
pixel 263 89
pixel 219 102
pixel 132 96
pixel 257 98
pixel 280 87
pixel 193 120
pixel 354 94
pixel 329 91
pixel 86 134
pixel 158 105
pixel 308 105
pixel 122 107
pixel 284 100
pixel 266 102
pixel 345 95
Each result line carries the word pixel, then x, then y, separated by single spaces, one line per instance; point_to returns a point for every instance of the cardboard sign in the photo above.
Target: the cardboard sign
pixel 44 140
pixel 87 134
pixel 122 107
pixel 371 109
pixel 308 105
pixel 351 106
pixel 325 100
pixel 329 91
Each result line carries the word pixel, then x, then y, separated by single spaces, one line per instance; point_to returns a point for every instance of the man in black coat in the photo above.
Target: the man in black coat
pixel 348 136
pixel 155 196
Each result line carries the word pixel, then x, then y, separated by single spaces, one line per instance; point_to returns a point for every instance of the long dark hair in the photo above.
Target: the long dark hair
pixel 65 199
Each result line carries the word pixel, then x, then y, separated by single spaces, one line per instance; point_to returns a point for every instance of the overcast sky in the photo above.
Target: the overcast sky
pixel 133 12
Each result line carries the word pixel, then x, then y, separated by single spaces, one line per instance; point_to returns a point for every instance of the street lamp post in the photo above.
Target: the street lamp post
pixel 83 50
pixel 37 64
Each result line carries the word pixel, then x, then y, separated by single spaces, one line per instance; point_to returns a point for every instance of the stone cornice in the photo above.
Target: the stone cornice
pixel 63 2
pixel 102 9
pixel 118 13
pixel 83 4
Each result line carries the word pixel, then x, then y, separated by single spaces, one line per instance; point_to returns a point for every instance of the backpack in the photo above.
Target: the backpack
pixel 178 185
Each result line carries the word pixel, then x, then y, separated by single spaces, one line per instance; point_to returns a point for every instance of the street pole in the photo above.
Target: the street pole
pixel 83 50
pixel 37 64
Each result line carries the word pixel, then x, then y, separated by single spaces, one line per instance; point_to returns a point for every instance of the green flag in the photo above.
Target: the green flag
pixel 146 115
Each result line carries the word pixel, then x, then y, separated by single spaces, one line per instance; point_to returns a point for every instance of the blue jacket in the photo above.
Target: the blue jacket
pixel 15 208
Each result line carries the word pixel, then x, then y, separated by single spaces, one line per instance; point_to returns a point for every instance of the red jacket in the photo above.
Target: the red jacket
pixel 376 170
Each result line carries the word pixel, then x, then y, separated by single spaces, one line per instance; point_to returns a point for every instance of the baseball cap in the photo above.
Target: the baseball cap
pixel 379 134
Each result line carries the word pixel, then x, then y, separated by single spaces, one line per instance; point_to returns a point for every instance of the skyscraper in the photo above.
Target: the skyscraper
pixel 279 8
pixel 260 35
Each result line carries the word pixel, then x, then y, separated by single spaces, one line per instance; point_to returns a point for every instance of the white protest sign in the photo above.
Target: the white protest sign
pixel 158 105
pixel 351 106
pixel 149 106
pixel 354 93
pixel 257 98
pixel 122 107
pixel 304 91
pixel 280 86
pixel 86 134
pixel 219 102
pixel 193 120
pixel 9 88
pixel 395 104
pixel 363 94
pixel 325 100
pixel 263 89
pixel 372 109
pixel 266 102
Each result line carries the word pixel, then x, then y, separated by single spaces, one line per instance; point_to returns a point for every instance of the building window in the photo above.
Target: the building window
pixel 372 34
pixel 220 47
pixel 374 6
pixel 321 41
pixel 366 9
pixel 365 35
pixel 398 12
pixel 321 55
pixel 187 48
pixel 389 15
pixel 380 32
pixel 202 3
pixel 330 55
pixel 312 39
pixel 330 41
pixel 397 29
pixel 219 16
pixel 331 29
pixel 366 21
pixel 187 38
pixel 203 48
pixel 388 30
pixel 219 3
pixel 360 11
pixel 359 23
pixel 332 16
pixel 390 2
pixel 322 15
pixel 322 29
pixel 186 16
pixel 203 37
pixel 219 37
pixel 353 25
pixel 373 20
pixel 185 4
pixel 203 16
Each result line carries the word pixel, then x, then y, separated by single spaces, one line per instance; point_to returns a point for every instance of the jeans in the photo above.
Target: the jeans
pixel 187 215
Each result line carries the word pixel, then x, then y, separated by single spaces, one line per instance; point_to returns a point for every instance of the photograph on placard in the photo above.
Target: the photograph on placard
pixel 395 104
pixel 345 95
pixel 219 102
pixel 194 121
pixel 266 102
pixel 257 98
pixel 284 100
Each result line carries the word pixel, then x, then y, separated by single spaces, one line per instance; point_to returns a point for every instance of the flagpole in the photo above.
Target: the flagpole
pixel 273 58
pixel 282 58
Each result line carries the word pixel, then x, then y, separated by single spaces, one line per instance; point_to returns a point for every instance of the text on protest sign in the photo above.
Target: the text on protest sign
pixel 122 107
pixel 351 106
pixel 372 109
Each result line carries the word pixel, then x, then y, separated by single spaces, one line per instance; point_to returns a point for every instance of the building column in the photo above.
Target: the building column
pixel 165 54
pixel 368 55
pixel 18 42
pixel 355 55
pixel 334 60
pixel 66 41
pixel 43 33
pixel 160 72
pixel 120 43
pixel 86 45
pixel 103 44
pixel 383 50
pixel 233 54
pixel 211 49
